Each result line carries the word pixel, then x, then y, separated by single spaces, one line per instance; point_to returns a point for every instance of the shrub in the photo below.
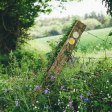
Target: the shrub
pixel 52 30
pixel 92 24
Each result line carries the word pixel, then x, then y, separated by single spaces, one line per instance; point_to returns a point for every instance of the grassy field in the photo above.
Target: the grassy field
pixel 87 41
pixel 42 44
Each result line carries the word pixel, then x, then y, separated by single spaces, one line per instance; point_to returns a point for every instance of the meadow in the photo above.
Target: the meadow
pixel 81 87
pixel 88 42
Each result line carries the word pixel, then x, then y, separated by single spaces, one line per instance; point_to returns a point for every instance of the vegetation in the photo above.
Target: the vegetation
pixel 23 86
pixel 59 26
pixel 17 16
pixel 88 43
pixel 15 19
pixel 84 84
pixel 85 88
pixel 108 4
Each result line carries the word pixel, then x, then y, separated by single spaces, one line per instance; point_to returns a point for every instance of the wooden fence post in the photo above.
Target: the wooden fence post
pixel 67 48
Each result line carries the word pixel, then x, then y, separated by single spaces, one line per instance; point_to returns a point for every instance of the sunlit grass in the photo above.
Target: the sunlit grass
pixel 42 44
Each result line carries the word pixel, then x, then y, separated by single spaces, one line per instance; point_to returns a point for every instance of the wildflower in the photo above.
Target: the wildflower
pixel 52 77
pixel 81 97
pixel 88 93
pixel 71 104
pixel 17 102
pixel 85 99
pixel 36 88
pixel 62 88
pixel 46 91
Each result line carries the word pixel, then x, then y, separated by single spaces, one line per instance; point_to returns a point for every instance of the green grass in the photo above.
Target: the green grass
pixel 87 41
pixel 95 41
pixel 42 44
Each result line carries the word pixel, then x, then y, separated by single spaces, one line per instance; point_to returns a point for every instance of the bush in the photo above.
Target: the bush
pixel 66 27
pixel 51 27
pixel 21 61
pixel 46 31
pixel 54 30
pixel 92 23
pixel 107 21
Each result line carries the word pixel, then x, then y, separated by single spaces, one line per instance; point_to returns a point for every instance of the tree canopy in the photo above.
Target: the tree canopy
pixel 16 16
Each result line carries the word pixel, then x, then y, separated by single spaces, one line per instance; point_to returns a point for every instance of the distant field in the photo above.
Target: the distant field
pixel 42 44
pixel 87 41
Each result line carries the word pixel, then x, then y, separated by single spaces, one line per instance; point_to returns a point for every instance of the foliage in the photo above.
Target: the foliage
pixel 100 17
pixel 44 28
pixel 101 89
pixel 17 16
pixel 22 60
pixel 87 44
pixel 15 19
pixel 107 21
pixel 104 20
pixel 78 88
pixel 53 54
pixel 82 86
pixel 92 24
pixel 108 4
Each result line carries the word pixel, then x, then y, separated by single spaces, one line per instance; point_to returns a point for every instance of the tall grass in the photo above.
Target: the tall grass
pixel 80 86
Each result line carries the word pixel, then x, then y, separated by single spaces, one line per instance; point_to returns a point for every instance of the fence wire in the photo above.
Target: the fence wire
pixel 104 40
pixel 99 37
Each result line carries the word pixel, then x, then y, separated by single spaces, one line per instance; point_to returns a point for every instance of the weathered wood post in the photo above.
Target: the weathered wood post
pixel 68 47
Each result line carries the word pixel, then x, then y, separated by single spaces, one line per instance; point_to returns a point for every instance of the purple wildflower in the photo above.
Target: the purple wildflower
pixel 46 91
pixel 81 97
pixel 86 99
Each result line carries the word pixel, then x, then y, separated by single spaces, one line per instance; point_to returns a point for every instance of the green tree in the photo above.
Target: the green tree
pixel 16 16
pixel 108 4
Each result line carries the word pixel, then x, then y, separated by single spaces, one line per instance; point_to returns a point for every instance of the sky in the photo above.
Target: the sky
pixel 75 8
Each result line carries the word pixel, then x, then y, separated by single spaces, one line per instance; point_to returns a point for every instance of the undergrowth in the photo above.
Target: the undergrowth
pixel 82 87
